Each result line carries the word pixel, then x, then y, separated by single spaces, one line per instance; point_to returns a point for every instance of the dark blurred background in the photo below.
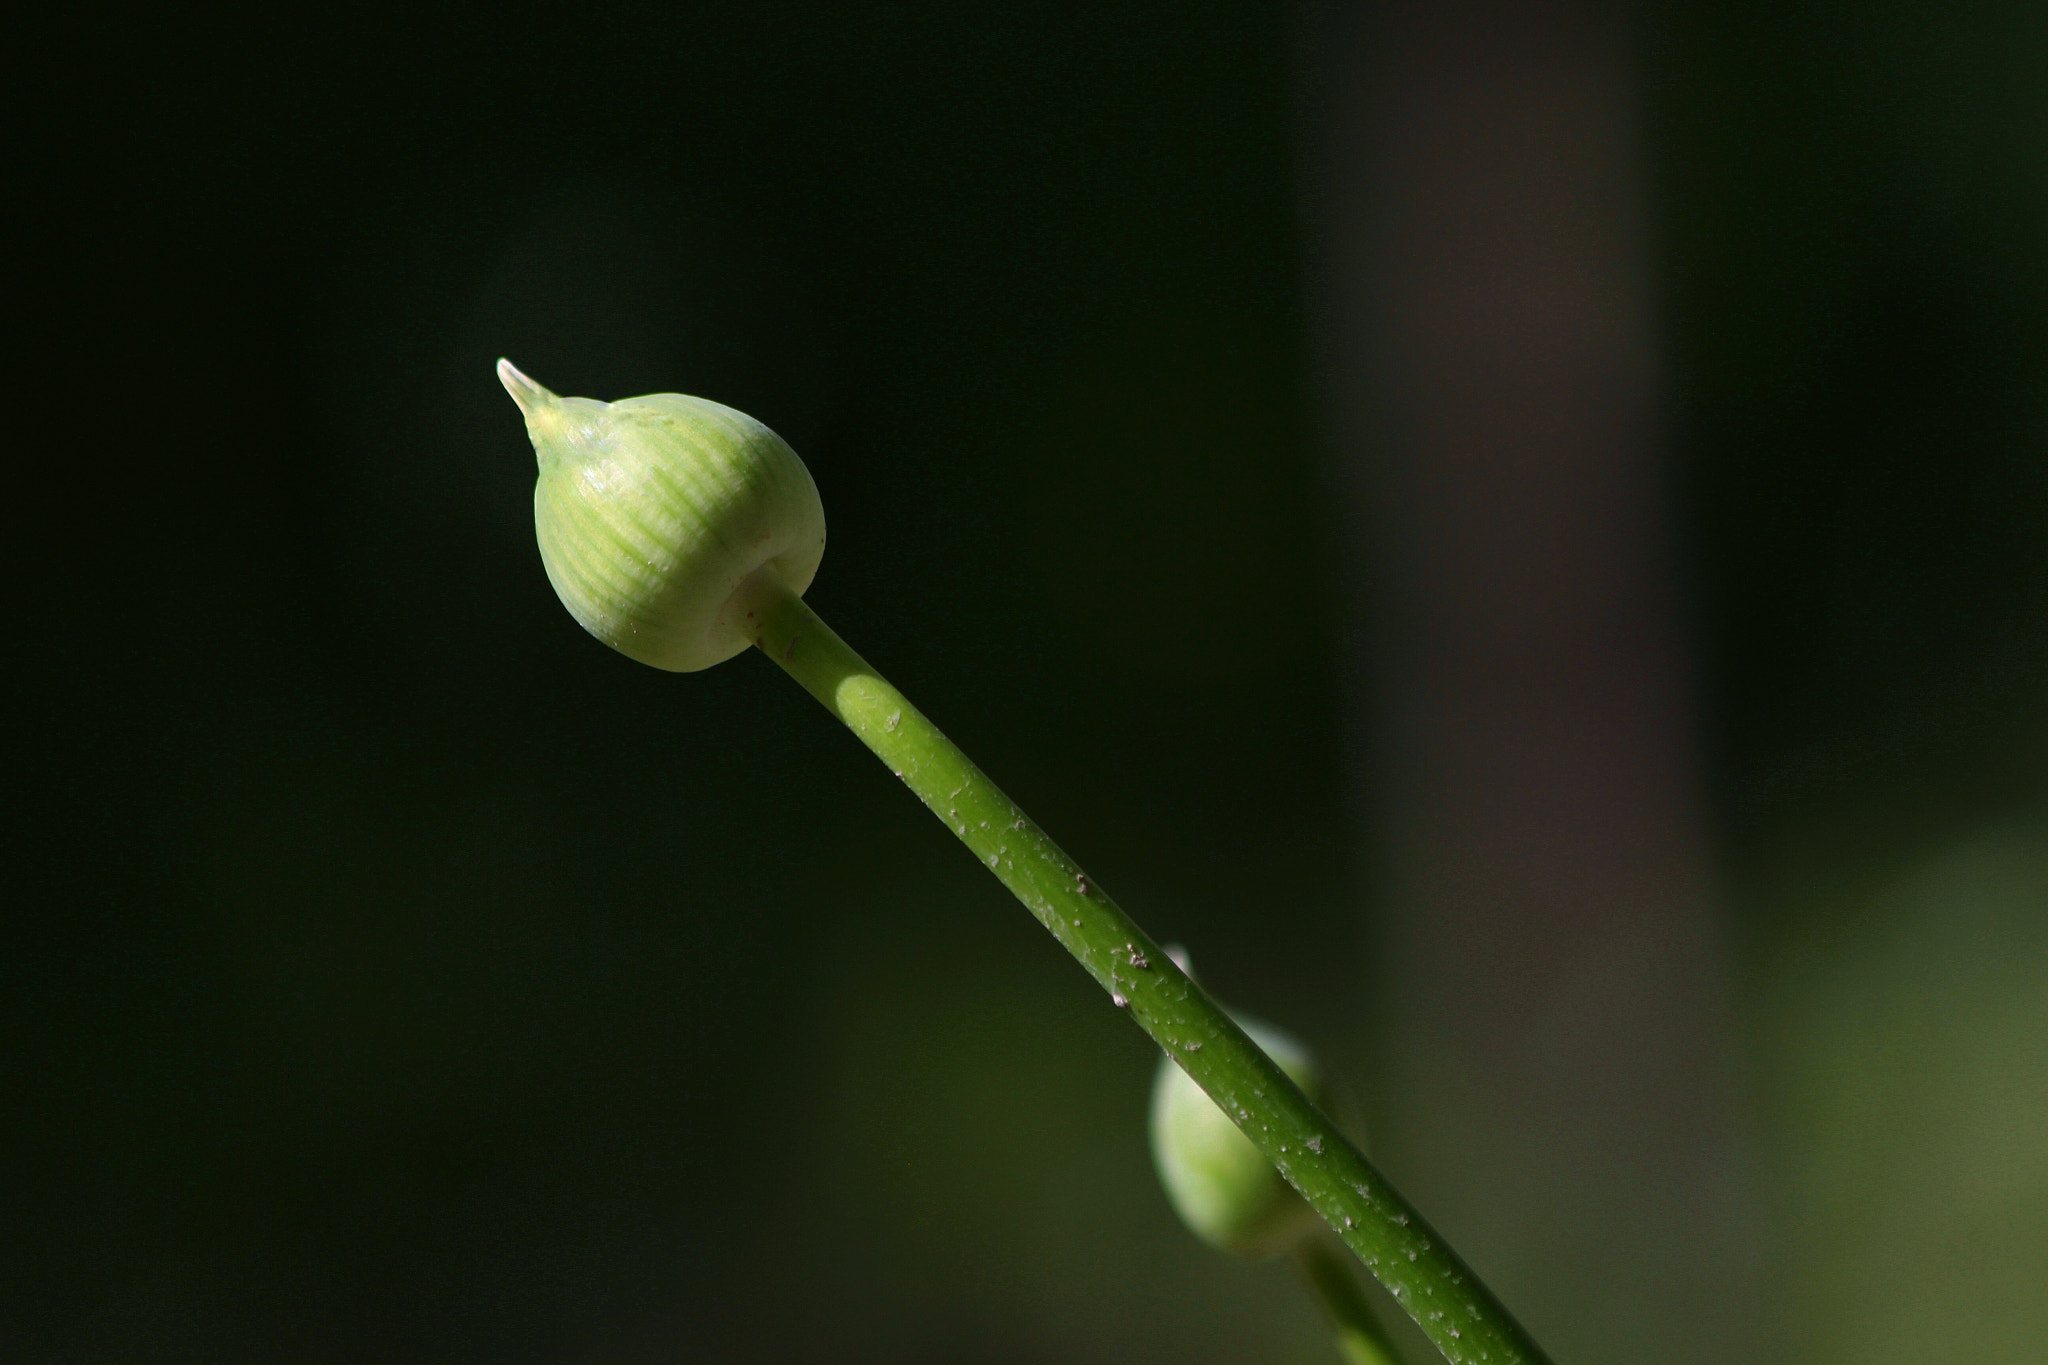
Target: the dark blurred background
pixel 1512 529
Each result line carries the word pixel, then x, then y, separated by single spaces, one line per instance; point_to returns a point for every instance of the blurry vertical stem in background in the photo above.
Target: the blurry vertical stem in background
pixel 1446 1300
pixel 1360 1338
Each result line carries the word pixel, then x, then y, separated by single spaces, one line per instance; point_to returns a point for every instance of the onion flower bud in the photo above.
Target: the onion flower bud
pixel 1222 1186
pixel 651 512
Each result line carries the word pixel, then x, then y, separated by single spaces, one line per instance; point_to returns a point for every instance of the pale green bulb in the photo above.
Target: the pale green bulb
pixel 651 512
pixel 1221 1185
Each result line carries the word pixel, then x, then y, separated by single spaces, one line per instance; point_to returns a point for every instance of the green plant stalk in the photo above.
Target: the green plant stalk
pixel 1402 1251
pixel 1360 1338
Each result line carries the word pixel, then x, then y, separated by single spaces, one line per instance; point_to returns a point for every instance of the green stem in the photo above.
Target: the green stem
pixel 1425 1276
pixel 1360 1338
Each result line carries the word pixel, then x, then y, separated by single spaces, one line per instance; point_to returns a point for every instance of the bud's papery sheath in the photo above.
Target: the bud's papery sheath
pixel 651 512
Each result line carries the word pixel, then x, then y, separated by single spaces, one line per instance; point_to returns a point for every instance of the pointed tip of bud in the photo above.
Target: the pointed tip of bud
pixel 527 394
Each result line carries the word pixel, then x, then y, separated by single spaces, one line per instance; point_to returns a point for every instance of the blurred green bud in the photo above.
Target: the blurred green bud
pixel 1221 1185
pixel 651 512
